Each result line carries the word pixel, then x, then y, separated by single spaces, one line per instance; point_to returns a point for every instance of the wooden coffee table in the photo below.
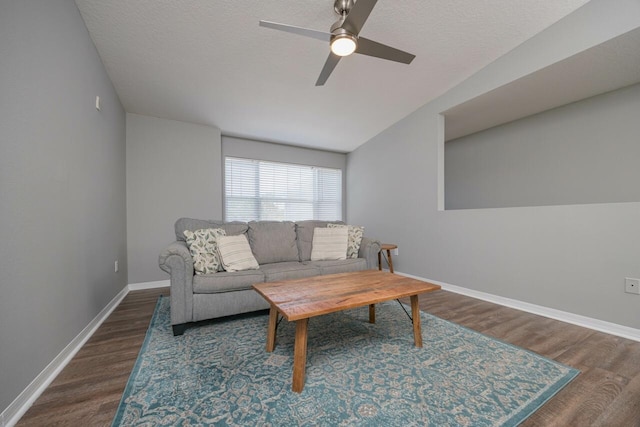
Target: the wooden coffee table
pixel 298 300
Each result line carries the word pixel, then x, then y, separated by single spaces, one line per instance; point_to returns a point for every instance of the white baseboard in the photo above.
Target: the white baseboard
pixel 149 285
pixel 564 316
pixel 12 414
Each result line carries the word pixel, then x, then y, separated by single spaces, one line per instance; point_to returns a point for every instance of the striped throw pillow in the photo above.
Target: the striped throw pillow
pixel 355 238
pixel 235 253
pixel 329 244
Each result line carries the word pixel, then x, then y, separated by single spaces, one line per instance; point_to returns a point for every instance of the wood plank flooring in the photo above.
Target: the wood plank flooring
pixel 88 390
pixel 606 393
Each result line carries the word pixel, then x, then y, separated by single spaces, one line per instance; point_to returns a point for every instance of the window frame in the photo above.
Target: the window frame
pixel 340 208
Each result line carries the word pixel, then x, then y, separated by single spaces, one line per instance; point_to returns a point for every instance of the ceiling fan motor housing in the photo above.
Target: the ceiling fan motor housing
pixel 343 42
pixel 340 29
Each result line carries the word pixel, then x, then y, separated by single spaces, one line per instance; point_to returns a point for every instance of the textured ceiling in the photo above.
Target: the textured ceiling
pixel 208 61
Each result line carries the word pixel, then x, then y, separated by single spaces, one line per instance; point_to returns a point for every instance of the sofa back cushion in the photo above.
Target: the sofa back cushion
pixel 231 228
pixel 273 241
pixel 304 232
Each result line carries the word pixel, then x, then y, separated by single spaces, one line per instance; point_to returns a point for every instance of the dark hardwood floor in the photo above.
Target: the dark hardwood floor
pixel 606 393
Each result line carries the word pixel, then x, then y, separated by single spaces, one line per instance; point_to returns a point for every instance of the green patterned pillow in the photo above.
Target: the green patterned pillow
pixel 203 246
pixel 355 233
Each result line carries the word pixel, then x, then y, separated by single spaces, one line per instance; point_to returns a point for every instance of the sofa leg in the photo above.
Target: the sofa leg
pixel 179 329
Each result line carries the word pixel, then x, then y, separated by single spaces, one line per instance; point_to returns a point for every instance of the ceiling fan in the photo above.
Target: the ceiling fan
pixel 344 36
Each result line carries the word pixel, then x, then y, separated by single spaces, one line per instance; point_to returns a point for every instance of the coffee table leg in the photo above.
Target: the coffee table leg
pixel 271 331
pixel 300 355
pixel 372 313
pixel 415 314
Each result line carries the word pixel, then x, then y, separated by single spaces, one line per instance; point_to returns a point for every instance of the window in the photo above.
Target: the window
pixel 261 190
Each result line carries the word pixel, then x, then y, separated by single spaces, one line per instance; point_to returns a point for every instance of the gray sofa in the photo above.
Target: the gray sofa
pixel 282 249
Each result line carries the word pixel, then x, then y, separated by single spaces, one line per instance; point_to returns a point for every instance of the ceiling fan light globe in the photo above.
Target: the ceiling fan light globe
pixel 343 45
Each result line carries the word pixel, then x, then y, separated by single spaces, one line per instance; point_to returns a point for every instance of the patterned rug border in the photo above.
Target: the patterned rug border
pixel 137 366
pixel 515 420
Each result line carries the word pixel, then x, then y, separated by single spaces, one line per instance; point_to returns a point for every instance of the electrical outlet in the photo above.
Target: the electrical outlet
pixel 395 252
pixel 632 286
pixel 115 266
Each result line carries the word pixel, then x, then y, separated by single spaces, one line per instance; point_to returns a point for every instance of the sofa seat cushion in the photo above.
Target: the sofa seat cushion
pixel 339 266
pixel 226 282
pixel 288 270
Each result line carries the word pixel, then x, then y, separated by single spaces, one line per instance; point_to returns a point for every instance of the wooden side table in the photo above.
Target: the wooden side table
pixel 386 247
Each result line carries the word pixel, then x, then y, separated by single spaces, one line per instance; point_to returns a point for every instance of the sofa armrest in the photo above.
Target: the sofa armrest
pixel 176 260
pixel 369 249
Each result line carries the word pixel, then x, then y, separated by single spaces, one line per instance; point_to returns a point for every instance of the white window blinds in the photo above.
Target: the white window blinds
pixel 261 190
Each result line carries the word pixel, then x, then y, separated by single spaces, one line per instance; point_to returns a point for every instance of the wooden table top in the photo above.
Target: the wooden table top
pixel 314 296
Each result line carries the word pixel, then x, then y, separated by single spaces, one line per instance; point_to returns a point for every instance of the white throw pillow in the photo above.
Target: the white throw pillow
pixel 235 253
pixel 329 244
pixel 355 238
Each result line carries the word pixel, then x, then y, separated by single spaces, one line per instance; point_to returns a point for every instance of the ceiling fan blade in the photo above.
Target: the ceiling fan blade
pixel 315 34
pixel 358 16
pixel 329 65
pixel 379 50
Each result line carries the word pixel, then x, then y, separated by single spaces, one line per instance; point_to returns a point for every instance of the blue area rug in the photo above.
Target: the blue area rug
pixel 358 374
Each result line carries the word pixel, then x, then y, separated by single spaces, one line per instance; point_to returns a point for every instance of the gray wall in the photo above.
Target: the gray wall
pixel 569 257
pixel 249 149
pixel 62 187
pixel 174 169
pixel 585 152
